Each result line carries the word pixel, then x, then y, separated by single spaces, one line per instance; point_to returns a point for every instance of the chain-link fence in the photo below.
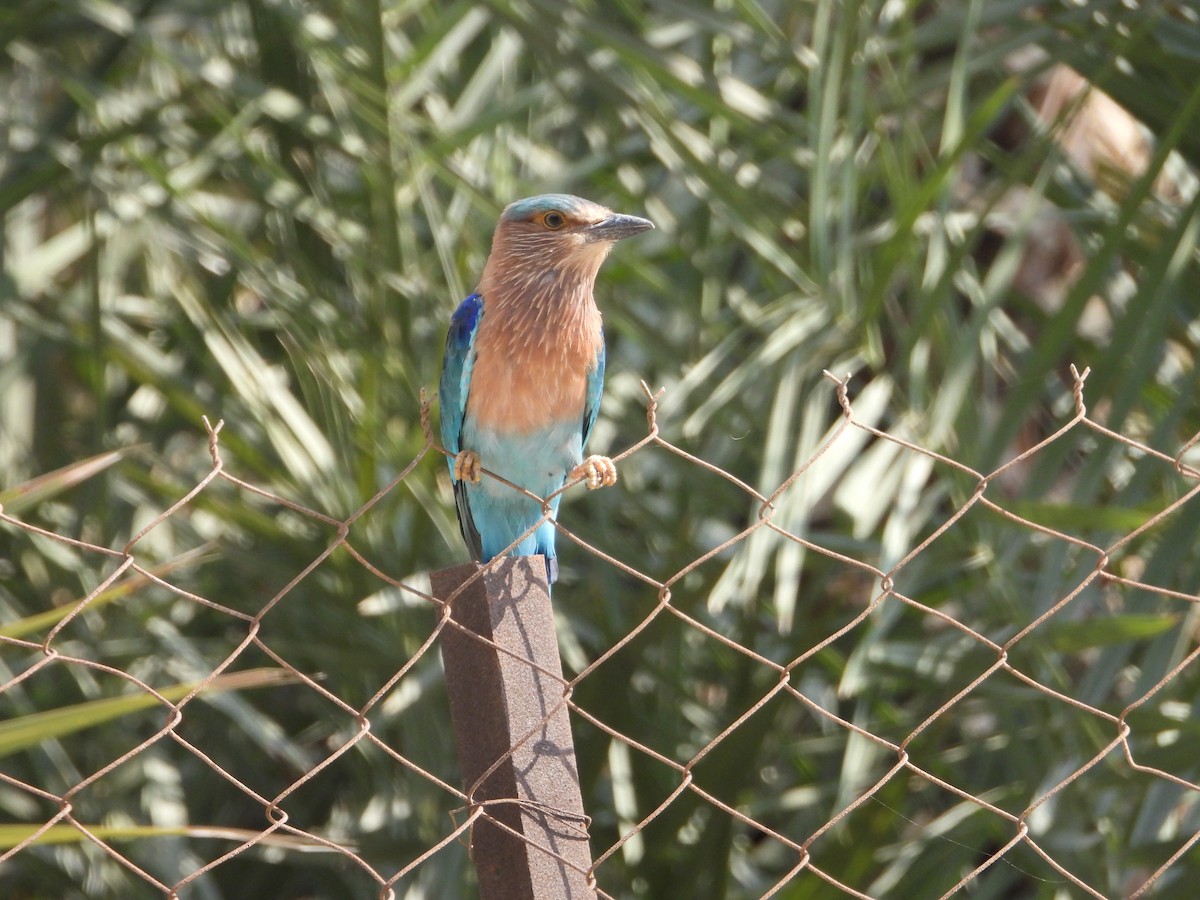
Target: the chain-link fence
pixel 1139 735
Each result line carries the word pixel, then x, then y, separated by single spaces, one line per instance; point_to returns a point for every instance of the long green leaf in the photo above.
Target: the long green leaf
pixel 23 732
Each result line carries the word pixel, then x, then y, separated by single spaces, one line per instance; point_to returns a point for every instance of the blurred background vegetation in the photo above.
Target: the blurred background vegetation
pixel 265 210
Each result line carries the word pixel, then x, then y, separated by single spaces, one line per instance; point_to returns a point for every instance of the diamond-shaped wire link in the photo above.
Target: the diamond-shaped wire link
pixel 810 849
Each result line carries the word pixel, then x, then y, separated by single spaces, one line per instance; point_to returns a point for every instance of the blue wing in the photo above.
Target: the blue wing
pixel 595 389
pixel 453 389
pixel 457 363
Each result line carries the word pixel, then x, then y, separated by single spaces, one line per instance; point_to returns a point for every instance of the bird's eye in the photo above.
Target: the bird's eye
pixel 553 220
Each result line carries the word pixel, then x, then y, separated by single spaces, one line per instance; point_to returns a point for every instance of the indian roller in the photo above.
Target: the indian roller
pixel 524 370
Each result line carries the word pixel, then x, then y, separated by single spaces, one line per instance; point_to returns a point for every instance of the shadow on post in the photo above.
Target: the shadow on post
pixel 513 733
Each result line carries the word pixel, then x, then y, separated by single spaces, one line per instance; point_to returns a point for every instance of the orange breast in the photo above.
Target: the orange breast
pixel 526 377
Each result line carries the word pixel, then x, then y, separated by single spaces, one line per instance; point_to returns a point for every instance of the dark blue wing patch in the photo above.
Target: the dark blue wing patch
pixel 453 390
pixel 595 390
pixel 457 363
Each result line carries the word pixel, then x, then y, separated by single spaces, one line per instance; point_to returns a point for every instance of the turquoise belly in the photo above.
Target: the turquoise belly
pixel 538 462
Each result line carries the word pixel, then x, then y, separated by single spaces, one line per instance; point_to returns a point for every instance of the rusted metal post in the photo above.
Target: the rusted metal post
pixel 506 704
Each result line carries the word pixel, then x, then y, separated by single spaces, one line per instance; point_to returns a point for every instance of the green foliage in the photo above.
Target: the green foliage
pixel 36 728
pixel 263 211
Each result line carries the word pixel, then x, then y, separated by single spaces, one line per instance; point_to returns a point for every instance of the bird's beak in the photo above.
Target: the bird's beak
pixel 616 227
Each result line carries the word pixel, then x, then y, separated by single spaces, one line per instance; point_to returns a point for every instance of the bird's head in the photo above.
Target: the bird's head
pixel 556 237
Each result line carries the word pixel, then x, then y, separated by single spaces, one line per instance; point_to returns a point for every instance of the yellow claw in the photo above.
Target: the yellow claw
pixel 467 466
pixel 598 471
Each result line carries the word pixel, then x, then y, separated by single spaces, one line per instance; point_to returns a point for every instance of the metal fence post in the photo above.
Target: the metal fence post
pixel 513 733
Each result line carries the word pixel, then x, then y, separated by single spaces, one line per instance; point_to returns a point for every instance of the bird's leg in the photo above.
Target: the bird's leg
pixel 466 466
pixel 597 470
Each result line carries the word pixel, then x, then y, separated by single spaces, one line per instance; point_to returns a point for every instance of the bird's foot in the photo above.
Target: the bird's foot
pixel 467 466
pixel 597 471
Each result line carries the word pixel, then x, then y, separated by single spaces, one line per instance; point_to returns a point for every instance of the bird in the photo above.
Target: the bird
pixel 523 373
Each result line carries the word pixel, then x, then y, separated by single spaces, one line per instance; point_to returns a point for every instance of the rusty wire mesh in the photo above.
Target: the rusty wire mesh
pixel 806 850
